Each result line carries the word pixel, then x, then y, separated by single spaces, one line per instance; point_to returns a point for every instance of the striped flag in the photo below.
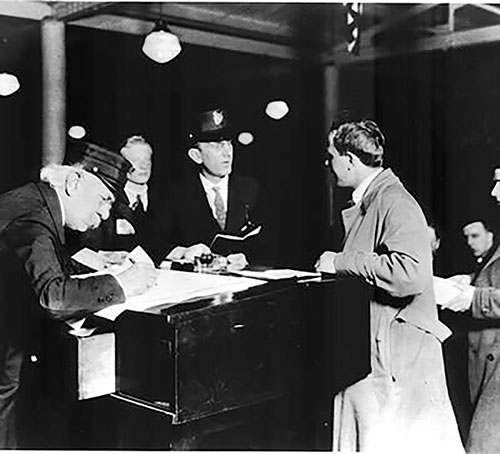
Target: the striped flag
pixel 353 13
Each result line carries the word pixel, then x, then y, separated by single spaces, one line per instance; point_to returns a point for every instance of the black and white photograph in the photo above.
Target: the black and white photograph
pixel 250 226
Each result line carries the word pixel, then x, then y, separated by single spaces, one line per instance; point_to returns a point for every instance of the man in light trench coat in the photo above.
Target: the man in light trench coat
pixel 403 404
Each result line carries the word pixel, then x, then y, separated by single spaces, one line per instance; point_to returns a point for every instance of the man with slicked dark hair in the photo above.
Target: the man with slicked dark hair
pixel 403 403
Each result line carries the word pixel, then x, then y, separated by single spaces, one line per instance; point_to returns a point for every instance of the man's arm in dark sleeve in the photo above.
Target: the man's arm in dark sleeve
pixel 63 296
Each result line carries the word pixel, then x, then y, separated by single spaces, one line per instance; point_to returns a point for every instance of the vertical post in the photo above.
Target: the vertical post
pixel 331 103
pixel 54 91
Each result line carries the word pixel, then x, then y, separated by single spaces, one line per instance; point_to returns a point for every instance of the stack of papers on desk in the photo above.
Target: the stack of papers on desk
pixel 178 287
pixel 175 287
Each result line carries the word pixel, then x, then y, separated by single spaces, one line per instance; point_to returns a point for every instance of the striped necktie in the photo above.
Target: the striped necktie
pixel 220 210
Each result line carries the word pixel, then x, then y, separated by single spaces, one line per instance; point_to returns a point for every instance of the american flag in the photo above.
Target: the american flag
pixel 353 13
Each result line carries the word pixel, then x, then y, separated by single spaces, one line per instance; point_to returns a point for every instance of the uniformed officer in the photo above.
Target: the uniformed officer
pixel 36 273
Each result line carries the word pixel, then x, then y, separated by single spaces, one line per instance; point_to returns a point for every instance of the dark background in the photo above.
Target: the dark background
pixel 439 111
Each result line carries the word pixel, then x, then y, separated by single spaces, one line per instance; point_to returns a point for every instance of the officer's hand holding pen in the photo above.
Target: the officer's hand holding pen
pixel 138 278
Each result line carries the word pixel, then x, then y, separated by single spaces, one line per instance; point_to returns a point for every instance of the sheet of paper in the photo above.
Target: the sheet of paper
pixel 139 255
pixel 445 290
pixel 90 258
pixel 178 287
pixel 278 274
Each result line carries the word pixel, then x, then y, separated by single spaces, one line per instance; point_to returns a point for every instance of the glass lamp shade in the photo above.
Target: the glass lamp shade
pixel 160 45
pixel 277 109
pixel 8 84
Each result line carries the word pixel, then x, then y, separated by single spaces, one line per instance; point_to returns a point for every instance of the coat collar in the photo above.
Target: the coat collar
pixel 49 196
pixel 383 179
pixel 493 257
pixel 351 215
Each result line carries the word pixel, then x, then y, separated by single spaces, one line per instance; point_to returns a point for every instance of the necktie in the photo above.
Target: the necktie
pixel 220 211
pixel 138 207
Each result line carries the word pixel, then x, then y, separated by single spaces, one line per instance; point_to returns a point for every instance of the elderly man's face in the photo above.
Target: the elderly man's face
pixel 216 157
pixel 478 238
pixel 88 202
pixel 139 155
pixel 339 164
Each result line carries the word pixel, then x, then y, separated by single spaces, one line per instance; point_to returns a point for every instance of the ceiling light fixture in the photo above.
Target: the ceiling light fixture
pixel 9 84
pixel 161 45
pixel 245 138
pixel 77 132
pixel 277 109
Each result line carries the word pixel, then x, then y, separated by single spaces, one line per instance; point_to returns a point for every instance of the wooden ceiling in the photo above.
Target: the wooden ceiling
pixel 310 31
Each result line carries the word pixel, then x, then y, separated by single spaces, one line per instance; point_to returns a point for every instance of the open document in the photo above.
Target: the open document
pixel 178 287
pixel 172 286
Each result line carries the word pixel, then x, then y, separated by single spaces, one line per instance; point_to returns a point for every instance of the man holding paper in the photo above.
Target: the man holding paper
pixel 35 267
pixel 403 404
pixel 212 200
pixel 482 299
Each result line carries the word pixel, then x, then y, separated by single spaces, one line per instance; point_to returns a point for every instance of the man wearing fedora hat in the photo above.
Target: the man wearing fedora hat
pixel 36 273
pixel 213 199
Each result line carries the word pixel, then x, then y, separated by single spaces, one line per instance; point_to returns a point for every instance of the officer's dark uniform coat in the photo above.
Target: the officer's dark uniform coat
pixel 35 268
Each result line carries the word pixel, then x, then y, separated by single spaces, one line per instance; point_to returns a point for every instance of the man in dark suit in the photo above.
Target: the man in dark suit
pixel 213 199
pixel 36 273
pixel 128 221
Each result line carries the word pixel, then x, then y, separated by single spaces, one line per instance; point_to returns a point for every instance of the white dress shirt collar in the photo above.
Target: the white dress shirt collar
pixel 359 192
pixel 132 191
pixel 63 214
pixel 208 186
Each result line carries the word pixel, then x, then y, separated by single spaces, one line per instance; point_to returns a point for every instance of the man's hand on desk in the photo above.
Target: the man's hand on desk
pixel 236 262
pixel 137 279
pixel 325 263
pixel 188 253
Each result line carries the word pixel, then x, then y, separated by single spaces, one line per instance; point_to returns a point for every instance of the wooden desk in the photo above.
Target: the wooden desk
pixel 254 370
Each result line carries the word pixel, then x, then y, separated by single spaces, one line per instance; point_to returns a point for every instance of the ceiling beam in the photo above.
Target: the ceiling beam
pixel 444 41
pixel 340 55
pixel 202 16
pixel 190 36
pixel 66 11
pixel 369 33
pixel 25 10
pixel 489 8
